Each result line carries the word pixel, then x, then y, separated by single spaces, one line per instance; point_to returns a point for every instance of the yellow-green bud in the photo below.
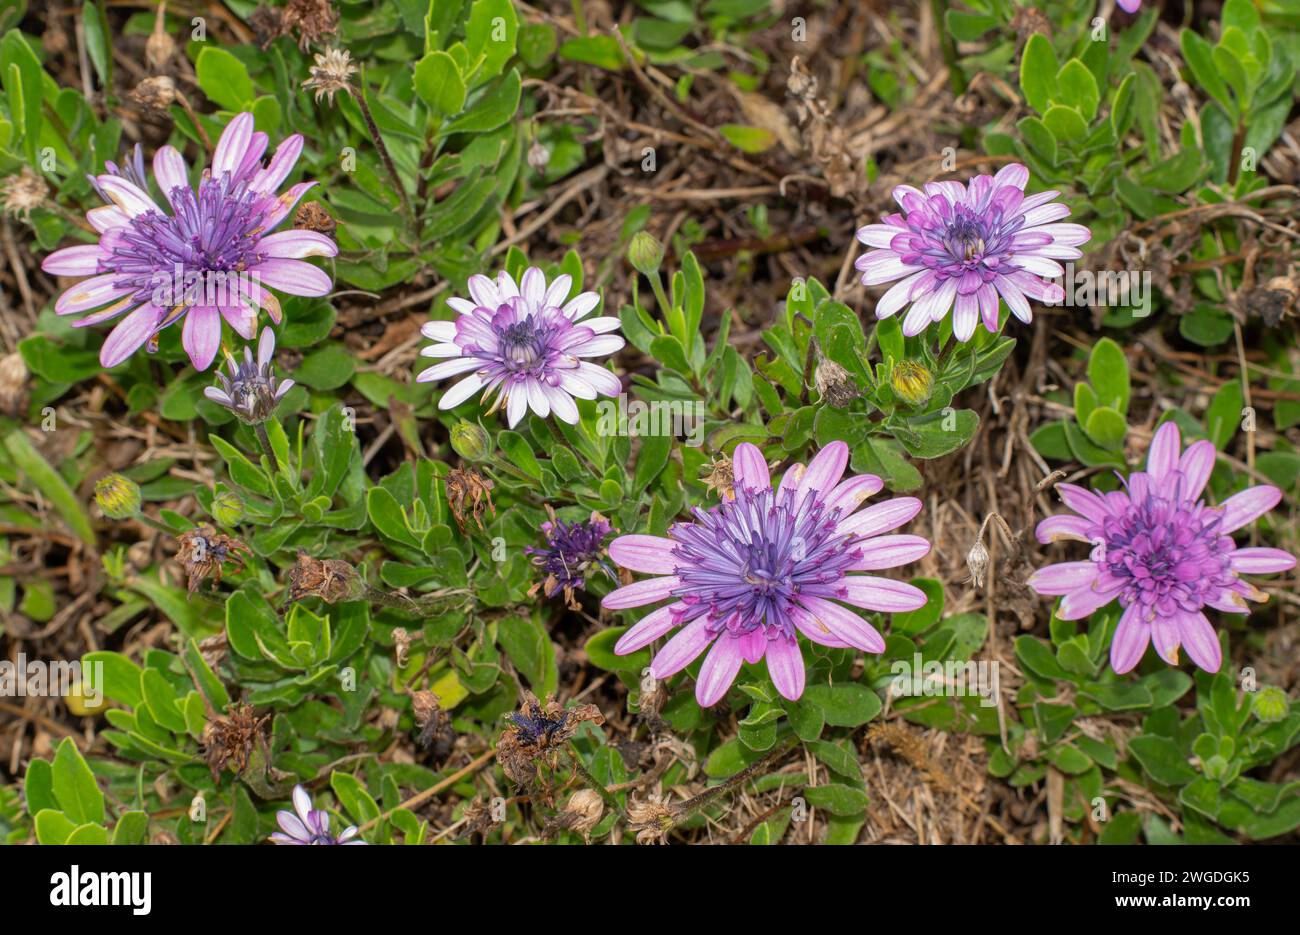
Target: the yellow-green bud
pixel 117 496
pixel 911 382
pixel 227 508
pixel 1270 704
pixel 645 253
pixel 471 441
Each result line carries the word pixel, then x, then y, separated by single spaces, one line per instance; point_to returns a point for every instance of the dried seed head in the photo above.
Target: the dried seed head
pixel 160 46
pixel 469 489
pixel 331 579
pixel 312 216
pixel 13 384
pixel 977 560
pixel 332 73
pixel 1274 300
pixel 204 552
pixel 401 646
pixel 117 496
pixel 581 813
pixel 154 94
pixel 537 732
pixel 538 156
pixel 834 384
pixel 651 821
pixel 228 740
pixel 21 192
pixel 721 478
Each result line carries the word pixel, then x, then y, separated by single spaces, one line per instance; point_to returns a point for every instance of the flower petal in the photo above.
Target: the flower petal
pixel 641 592
pixel 719 670
pixel 1063 578
pixel 649 628
pixel 785 666
pixel 682 649
pixel 843 623
pixel 651 555
pixel 1243 508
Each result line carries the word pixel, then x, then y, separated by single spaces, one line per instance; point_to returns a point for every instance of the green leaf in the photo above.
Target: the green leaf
pixel 1161 759
pixel 1038 69
pixel 1108 374
pixel 837 798
pixel 439 84
pixel 490 37
pixel 74 785
pixel 748 139
pixel 1224 414
pixel 601 51
pixel 354 798
pixel 131 828
pixel 1106 427
pixel 494 108
pixel 224 78
pixel 845 704
pixel 120 676
pixel 1078 88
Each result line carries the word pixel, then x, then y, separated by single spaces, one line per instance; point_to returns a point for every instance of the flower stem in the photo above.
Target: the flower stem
pixel 266 447
pixel 359 95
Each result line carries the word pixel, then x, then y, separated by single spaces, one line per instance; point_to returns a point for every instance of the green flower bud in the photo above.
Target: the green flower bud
pixel 911 382
pixel 1270 704
pixel 471 441
pixel 117 496
pixel 645 253
pixel 227 508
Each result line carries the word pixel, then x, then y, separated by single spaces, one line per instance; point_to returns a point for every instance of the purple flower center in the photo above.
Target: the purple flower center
pixel 524 345
pixel 744 562
pixel 572 551
pixel 955 240
pixel 210 234
pixel 1167 555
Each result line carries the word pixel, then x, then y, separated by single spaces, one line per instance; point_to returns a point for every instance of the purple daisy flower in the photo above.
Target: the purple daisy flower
pixel 524 341
pixel 573 551
pixel 960 247
pixel 1163 552
pixel 208 260
pixel 309 826
pixel 251 392
pixel 766 564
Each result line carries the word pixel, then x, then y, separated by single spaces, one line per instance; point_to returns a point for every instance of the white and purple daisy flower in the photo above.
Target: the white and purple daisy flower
pixel 526 343
pixel 749 575
pixel 1162 552
pixel 206 261
pixel 309 826
pixel 959 247
pixel 251 391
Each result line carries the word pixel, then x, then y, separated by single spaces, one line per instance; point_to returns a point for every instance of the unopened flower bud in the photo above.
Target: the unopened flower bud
pixel 1270 704
pixel 471 441
pixel 117 496
pixel 227 508
pixel 911 382
pixel 645 253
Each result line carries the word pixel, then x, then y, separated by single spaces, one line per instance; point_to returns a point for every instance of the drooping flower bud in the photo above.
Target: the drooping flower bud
pixel 117 496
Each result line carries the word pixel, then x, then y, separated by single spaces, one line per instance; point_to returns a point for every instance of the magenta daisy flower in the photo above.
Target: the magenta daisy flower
pixel 309 825
pixel 524 342
pixel 208 260
pixel 747 576
pixel 959 247
pixel 1162 552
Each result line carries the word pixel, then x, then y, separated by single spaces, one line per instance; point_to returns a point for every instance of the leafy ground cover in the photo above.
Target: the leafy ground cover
pixel 473 421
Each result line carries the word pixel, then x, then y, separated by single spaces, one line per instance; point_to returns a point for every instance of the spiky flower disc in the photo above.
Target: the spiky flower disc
pixel 526 343
pixel 1162 552
pixel 209 259
pixel 959 247
pixel 747 576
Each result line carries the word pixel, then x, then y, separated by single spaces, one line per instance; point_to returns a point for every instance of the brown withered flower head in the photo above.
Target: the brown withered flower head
pixel 331 74
pixel 477 819
pixel 721 478
pixel 228 739
pixel 433 724
pixel 204 553
pixel 469 489
pixel 330 579
pixel 21 192
pixel 581 813
pixel 311 216
pixel 651 821
pixel 537 733
pixel 312 20
pixel 155 94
